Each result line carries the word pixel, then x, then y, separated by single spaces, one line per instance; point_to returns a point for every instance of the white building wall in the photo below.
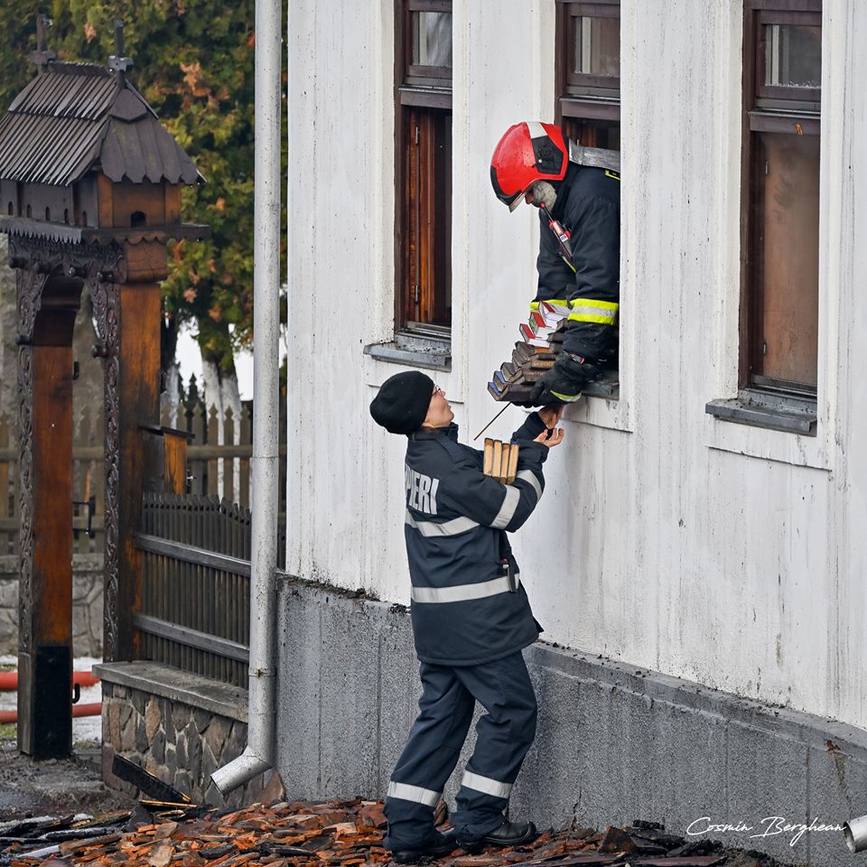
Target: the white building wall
pixel 717 552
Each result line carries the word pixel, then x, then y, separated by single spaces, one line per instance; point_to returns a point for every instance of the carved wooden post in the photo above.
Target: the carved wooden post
pixel 46 316
pixel 138 405
pixel 128 319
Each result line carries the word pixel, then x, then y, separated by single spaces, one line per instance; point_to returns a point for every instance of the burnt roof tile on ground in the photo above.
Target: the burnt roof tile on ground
pixel 304 833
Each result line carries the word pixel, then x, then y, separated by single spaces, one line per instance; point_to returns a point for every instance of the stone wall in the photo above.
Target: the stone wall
pixel 86 605
pixel 177 726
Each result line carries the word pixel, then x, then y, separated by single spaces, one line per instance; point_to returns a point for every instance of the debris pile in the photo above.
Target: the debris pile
pixel 303 834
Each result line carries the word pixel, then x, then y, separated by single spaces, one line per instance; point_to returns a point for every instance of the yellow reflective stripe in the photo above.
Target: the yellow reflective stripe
pixel 580 316
pixel 593 310
pixel 557 302
pixel 569 398
pixel 594 302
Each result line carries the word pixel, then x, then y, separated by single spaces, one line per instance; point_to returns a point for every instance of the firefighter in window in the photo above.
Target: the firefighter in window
pixel 577 191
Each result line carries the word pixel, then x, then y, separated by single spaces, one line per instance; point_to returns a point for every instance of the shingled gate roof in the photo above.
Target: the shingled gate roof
pixel 76 116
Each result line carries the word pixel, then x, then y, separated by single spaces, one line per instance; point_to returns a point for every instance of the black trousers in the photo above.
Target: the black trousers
pixel 504 734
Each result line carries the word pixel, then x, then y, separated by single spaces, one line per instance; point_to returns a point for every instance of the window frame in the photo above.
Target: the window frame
pixel 418 75
pixel 591 97
pixel 415 87
pixel 777 97
pixel 764 111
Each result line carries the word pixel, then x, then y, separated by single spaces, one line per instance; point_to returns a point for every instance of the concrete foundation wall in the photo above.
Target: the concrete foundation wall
pixel 615 742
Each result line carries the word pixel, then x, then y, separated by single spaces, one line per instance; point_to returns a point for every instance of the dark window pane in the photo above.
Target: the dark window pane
pixel 597 47
pixel 426 218
pixel 593 133
pixel 793 55
pixel 432 39
pixel 787 247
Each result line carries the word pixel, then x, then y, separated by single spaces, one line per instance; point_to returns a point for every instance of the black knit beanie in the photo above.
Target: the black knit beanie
pixel 402 402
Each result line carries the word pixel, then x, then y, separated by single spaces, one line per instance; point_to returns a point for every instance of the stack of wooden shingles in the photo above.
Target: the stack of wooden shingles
pixel 536 352
pixel 500 461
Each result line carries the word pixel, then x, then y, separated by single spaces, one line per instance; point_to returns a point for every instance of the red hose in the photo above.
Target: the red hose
pixel 95 709
pixel 9 679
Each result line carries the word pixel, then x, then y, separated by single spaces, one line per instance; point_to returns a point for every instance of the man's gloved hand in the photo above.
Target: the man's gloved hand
pixel 564 381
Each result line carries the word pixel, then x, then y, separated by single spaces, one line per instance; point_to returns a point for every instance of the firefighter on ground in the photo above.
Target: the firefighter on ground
pixel 577 192
pixel 470 620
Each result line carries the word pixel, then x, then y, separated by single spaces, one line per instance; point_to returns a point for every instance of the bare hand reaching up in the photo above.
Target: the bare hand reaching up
pixel 551 437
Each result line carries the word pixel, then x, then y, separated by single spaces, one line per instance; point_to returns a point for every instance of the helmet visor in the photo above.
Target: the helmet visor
pixel 518 198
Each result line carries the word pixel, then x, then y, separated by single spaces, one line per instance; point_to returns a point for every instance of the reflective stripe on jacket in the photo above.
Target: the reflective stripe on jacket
pixel 465 610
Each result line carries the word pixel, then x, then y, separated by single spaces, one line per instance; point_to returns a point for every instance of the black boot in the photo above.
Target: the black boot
pixel 507 834
pixel 433 847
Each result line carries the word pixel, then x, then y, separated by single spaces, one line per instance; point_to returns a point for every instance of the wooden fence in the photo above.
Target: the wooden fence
pixel 194 612
pixel 195 585
pixel 218 457
pixel 218 465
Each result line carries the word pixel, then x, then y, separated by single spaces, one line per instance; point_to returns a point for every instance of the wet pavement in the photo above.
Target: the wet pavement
pixel 53 787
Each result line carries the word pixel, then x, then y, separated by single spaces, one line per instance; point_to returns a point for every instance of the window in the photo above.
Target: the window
pixel 423 84
pixel 780 196
pixel 588 72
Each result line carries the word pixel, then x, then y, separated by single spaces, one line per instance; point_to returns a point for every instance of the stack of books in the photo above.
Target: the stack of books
pixel 501 461
pixel 541 340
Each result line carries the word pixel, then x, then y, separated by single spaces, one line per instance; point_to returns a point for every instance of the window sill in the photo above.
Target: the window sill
pixel 780 429
pixel 413 350
pixel 761 409
pixel 608 386
pixel 611 411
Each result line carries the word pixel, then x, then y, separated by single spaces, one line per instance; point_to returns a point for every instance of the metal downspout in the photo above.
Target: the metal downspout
pixel 258 756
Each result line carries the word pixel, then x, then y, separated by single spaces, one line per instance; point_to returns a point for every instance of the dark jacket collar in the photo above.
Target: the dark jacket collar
pixel 434 433
pixel 563 191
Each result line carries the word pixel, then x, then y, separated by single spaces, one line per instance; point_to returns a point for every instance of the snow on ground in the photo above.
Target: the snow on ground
pixel 87 728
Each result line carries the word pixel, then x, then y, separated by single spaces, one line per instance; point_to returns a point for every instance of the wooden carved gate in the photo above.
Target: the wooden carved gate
pixel 89 195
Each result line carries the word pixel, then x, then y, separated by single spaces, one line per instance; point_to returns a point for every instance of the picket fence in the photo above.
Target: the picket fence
pixel 218 465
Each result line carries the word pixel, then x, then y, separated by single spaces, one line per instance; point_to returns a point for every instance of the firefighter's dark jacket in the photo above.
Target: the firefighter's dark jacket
pixel 456 523
pixel 588 205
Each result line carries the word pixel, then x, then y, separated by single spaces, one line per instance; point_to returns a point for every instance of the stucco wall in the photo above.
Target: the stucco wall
pixel 716 552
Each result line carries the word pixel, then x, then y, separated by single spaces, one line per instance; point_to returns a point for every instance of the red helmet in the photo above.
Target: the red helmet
pixel 529 151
